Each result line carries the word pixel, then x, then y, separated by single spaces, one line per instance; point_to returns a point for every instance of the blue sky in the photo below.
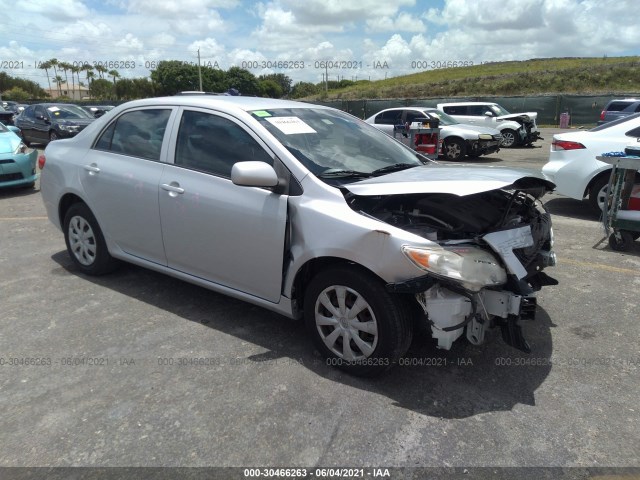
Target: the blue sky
pixel 396 36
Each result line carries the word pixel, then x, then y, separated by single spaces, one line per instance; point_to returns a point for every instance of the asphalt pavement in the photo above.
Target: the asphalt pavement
pixel 139 369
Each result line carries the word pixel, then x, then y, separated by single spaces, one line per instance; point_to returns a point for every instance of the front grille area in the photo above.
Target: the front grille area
pixel 8 177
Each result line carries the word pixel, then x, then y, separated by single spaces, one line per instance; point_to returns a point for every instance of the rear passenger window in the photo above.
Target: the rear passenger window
pixel 137 134
pixel 392 117
pixel 212 144
pixel 456 110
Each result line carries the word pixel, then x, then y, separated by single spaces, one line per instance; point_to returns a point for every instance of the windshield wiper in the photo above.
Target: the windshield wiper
pixel 343 174
pixel 393 168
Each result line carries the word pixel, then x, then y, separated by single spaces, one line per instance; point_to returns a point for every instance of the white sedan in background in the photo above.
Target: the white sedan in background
pixel 572 164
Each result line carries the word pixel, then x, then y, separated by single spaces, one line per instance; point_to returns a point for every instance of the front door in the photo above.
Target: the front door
pixel 213 229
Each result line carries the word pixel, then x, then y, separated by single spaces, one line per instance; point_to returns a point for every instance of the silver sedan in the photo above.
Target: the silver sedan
pixel 307 211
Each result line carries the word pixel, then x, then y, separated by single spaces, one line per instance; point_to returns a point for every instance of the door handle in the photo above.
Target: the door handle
pixel 92 169
pixel 172 187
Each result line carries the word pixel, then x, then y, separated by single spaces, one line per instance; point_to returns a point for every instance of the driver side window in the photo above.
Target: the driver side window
pixel 213 144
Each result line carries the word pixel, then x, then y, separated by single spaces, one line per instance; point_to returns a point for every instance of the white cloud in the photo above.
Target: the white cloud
pixel 173 8
pixel 404 22
pixel 62 10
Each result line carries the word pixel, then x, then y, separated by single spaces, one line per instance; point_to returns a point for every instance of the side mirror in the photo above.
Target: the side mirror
pixel 253 174
pixel 488 114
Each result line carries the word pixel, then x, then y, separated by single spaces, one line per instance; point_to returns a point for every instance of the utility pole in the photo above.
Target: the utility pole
pixel 326 77
pixel 199 72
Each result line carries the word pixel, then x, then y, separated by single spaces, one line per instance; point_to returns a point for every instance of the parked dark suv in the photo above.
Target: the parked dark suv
pixel 45 122
pixel 619 108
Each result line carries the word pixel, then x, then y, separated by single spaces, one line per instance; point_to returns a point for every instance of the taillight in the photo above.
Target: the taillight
pixel 41 161
pixel 602 114
pixel 565 145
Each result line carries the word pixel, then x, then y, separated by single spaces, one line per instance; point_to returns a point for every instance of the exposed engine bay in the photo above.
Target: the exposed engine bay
pixel 512 224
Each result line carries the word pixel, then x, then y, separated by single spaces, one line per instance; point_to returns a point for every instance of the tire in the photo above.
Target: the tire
pixel 624 243
pixel 85 242
pixel 598 193
pixel 378 334
pixel 509 138
pixel 53 136
pixel 453 149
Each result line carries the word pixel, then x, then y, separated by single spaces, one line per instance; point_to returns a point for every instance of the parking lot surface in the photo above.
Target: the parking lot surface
pixel 139 369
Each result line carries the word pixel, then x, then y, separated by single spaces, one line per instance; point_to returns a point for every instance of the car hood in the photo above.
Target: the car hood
pixel 470 129
pixel 525 117
pixel 9 141
pixel 458 180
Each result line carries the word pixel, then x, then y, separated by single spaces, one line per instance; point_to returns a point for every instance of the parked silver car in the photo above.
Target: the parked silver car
pixel 458 139
pixel 307 211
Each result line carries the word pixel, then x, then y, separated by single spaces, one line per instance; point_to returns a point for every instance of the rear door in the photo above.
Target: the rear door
pixel 213 229
pixel 120 176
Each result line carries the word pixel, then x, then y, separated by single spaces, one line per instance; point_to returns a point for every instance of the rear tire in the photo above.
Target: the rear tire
pixel 598 193
pixel 85 242
pixel 355 323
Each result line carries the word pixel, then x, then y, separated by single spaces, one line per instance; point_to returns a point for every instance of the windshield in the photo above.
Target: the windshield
pixel 330 142
pixel 444 118
pixel 67 112
pixel 499 111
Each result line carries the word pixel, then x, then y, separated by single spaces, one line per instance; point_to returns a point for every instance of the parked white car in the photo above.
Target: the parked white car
pixel 457 139
pixel 572 164
pixel 516 128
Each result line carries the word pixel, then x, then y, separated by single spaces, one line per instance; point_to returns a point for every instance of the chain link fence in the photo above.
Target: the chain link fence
pixel 582 109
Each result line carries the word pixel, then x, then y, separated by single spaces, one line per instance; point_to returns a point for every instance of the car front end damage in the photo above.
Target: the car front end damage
pixel 485 144
pixel 528 130
pixel 489 247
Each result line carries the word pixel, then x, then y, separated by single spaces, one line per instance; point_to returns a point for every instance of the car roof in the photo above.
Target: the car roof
pixel 220 101
pixel 469 103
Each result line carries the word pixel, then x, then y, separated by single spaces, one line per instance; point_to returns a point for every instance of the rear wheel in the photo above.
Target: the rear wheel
pixel 598 193
pixel 355 323
pixel 509 138
pixel 85 242
pixel 453 149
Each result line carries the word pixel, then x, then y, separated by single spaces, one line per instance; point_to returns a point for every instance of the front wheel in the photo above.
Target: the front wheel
pixel 509 138
pixel 355 323
pixel 85 242
pixel 53 136
pixel 453 149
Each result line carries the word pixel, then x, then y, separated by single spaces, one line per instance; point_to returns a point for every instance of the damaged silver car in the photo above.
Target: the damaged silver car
pixel 309 212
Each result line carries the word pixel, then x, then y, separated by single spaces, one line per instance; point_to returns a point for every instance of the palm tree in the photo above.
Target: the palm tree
pixel 88 69
pixel 74 70
pixel 54 64
pixel 101 70
pixel 58 80
pixel 114 74
pixel 46 66
pixel 66 67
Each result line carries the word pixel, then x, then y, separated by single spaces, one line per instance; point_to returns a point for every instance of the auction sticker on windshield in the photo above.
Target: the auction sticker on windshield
pixel 290 125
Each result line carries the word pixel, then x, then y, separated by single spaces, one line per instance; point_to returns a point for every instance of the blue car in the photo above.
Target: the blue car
pixel 17 161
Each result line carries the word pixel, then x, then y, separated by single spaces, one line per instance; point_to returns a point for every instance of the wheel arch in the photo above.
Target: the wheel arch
pixel 312 267
pixel 65 203
pixel 602 173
